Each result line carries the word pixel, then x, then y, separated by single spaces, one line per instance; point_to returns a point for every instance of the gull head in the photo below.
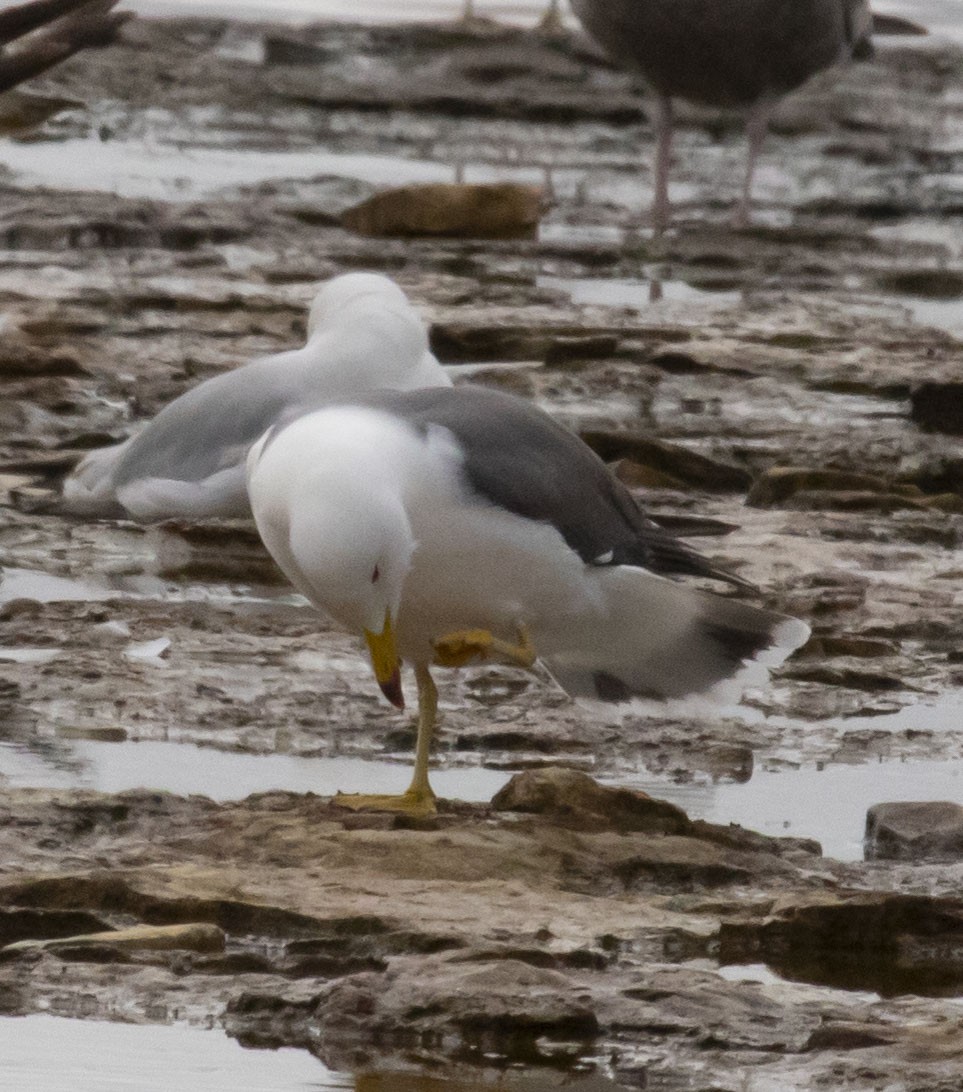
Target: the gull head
pixel 355 293
pixel 364 554
pixel 348 549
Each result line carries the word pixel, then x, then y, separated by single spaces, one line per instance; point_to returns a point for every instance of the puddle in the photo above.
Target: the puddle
pixel 186 769
pixel 169 172
pixel 47 588
pixel 57 1054
pixel 43 1053
pixel 165 169
pixel 641 295
pixel 946 315
pixel 827 804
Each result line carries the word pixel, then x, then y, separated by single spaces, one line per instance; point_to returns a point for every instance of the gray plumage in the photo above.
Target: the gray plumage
pixel 518 458
pixel 188 461
pixel 742 54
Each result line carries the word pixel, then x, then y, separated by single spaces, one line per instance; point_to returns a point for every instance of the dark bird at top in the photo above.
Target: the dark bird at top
pixel 730 54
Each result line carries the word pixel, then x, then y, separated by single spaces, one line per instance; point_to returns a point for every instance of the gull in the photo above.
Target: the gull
pixel 734 54
pixel 457 524
pixel 188 461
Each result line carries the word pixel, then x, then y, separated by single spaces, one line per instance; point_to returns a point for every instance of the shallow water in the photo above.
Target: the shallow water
pixel 55 1054
pixel 641 295
pixel 827 803
pixel 58 1054
pixel 940 16
pixel 186 769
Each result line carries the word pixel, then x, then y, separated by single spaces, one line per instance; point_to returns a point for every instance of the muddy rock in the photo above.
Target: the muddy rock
pixel 675 462
pixel 191 937
pixel 938 406
pixel 496 1003
pixel 502 210
pixel 915 831
pixel 875 941
pixel 569 796
pixel 780 484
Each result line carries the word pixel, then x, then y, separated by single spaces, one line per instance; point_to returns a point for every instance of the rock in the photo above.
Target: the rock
pixel 288 49
pixel 568 351
pixel 895 24
pixel 847 1036
pixel 915 831
pixel 27 924
pixel 938 407
pixel 194 937
pixel 677 462
pixel 502 210
pixel 845 644
pixel 860 500
pixel 22 359
pixel 21 111
pixel 504 1002
pixel 882 941
pixel 778 484
pixel 571 796
pixel 639 476
pixel 831 674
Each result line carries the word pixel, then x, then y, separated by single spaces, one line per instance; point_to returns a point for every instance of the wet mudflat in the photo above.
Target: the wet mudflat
pixel 166 701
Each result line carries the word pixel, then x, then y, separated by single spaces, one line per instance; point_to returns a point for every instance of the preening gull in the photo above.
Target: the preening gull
pixel 735 54
pixel 188 462
pixel 453 524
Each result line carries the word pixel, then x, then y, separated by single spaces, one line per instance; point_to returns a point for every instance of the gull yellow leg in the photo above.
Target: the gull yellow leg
pixel 419 799
pixel 461 647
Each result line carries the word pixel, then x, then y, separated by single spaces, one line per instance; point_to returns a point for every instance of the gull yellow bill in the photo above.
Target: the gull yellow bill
pixel 384 660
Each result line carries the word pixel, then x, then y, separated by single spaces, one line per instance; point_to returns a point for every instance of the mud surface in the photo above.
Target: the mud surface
pixel 177 226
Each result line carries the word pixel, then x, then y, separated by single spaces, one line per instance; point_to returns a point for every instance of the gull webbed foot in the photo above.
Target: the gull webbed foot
pixel 464 646
pixel 417 804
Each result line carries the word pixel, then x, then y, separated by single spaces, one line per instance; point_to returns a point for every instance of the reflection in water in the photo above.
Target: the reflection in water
pixel 640 294
pixel 186 769
pixel 827 804
pixel 55 1054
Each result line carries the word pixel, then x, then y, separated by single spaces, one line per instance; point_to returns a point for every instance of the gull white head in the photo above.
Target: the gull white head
pixel 355 293
pixel 336 530
pixel 363 332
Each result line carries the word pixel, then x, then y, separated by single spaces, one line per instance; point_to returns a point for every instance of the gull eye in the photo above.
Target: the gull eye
pixel 375 575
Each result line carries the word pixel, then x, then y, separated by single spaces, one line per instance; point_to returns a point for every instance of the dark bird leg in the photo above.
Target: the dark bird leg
pixel 551 21
pixel 662 124
pixel 757 126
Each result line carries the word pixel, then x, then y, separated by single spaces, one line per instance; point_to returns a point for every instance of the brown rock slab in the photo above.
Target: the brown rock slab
pixel 672 460
pixel 567 794
pixel 502 210
pixel 915 831
pixel 938 407
pixel 502 1001
pixel 193 937
pixel 780 483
